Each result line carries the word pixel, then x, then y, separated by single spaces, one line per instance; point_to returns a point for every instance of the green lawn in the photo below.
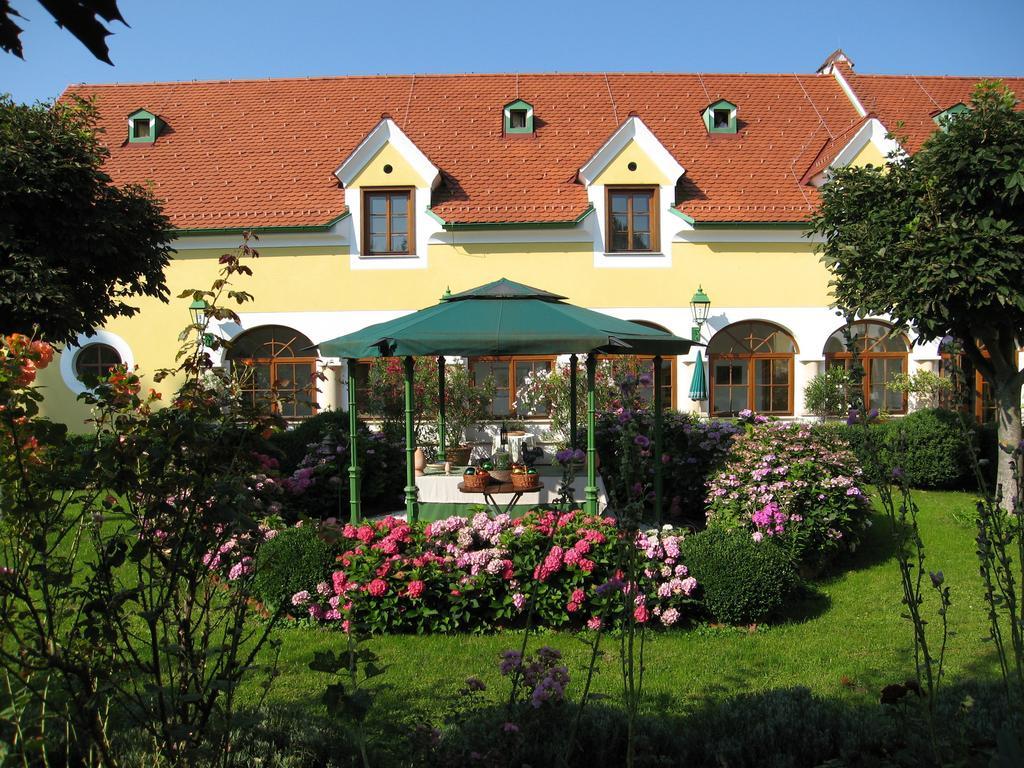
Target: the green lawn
pixel 847 641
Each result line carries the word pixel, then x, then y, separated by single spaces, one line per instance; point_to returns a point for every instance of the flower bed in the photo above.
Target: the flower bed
pixel 483 573
pixel 780 484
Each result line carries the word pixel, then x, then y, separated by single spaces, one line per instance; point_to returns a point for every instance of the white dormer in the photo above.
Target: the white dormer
pixel 870 145
pixel 388 182
pixel 631 182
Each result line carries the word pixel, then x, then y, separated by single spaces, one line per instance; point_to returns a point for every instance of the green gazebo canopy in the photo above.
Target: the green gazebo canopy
pixel 503 318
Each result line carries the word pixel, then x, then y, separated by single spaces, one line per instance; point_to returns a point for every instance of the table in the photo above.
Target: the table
pixel 490 489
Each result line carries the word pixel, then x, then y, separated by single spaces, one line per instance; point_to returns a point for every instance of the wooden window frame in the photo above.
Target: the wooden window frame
pixel 752 360
pixel 751 357
pixel 868 357
pixel 410 193
pixel 94 368
pixel 982 399
pixel 867 360
pixel 552 360
pixel 653 213
pixel 667 360
pixel 272 363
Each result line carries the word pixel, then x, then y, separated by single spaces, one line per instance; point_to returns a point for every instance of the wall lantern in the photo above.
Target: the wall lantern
pixel 197 309
pixel 700 305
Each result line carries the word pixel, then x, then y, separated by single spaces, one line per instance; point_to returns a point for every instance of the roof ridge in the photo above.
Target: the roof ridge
pixel 567 73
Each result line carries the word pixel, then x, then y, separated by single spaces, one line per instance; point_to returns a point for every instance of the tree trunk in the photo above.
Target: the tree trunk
pixel 1008 414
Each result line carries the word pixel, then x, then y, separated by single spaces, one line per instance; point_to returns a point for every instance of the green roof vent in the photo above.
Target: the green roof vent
pixel 946 116
pixel 518 117
pixel 720 117
pixel 144 127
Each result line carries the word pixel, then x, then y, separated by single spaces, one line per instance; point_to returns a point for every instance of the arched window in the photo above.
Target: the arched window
pixel 277 364
pixel 977 397
pixel 95 360
pixel 883 354
pixel 751 367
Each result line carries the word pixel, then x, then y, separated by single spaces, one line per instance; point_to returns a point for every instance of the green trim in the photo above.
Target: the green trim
pixel 709 116
pixel 684 216
pixel 261 230
pixel 569 224
pixel 518 105
pixel 945 116
pixel 434 216
pixel 155 126
pixel 753 225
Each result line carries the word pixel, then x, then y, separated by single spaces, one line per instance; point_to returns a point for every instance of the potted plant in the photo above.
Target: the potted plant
pixel 467 403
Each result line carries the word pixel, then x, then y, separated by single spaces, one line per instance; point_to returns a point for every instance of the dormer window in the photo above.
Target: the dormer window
pixel 143 127
pixel 518 117
pixel 720 117
pixel 946 116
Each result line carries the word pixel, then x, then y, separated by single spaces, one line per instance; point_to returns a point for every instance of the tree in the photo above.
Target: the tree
pixel 936 240
pixel 80 17
pixel 73 247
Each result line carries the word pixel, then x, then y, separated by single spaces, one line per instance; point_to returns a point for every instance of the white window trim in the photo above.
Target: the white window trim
pixel 70 353
pixel 633 130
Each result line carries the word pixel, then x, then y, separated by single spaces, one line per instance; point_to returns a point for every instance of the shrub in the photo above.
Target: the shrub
pixel 827 395
pixel 293 443
pixel 319 485
pixel 742 581
pixel 931 449
pixel 693 450
pixel 483 573
pixel 780 483
pixel 928 445
pixel 293 560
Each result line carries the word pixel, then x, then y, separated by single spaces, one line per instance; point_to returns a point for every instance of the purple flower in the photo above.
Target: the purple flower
pixel 643 441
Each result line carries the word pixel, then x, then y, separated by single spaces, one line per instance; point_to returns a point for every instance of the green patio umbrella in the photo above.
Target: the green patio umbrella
pixel 502 318
pixel 699 382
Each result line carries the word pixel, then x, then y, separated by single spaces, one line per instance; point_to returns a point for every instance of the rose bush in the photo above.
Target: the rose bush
pixel 780 483
pixel 482 573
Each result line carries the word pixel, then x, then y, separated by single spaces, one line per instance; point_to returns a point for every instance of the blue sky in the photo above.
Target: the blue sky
pixel 214 39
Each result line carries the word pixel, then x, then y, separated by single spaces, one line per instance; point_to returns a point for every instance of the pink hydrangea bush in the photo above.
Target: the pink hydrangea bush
pixel 781 485
pixel 482 573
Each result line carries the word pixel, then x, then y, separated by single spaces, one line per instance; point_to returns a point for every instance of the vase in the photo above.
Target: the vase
pixel 419 461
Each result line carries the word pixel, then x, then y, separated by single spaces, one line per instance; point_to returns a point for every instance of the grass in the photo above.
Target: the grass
pixel 844 640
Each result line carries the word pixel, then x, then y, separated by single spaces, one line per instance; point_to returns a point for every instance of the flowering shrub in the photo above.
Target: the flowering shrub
pixel 780 483
pixel 482 573
pixel 319 486
pixel 692 450
pixel 543 676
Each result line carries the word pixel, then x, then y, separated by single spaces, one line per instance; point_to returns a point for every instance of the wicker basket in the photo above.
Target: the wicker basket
pixel 475 482
pixel 501 475
pixel 525 482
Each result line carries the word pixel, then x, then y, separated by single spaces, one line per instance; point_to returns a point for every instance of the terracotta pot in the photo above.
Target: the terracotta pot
pixel 458 456
pixel 419 461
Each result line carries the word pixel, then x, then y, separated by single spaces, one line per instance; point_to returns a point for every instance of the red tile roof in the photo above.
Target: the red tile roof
pixel 261 153
pixel 914 99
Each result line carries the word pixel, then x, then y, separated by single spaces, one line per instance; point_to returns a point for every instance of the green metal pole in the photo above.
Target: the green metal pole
pixel 411 512
pixel 440 408
pixel 659 408
pixel 573 441
pixel 355 512
pixel 590 492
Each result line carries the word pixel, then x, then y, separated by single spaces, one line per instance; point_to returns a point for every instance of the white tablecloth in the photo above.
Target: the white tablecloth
pixel 443 489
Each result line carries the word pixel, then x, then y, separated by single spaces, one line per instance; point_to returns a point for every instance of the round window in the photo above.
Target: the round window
pixel 95 360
